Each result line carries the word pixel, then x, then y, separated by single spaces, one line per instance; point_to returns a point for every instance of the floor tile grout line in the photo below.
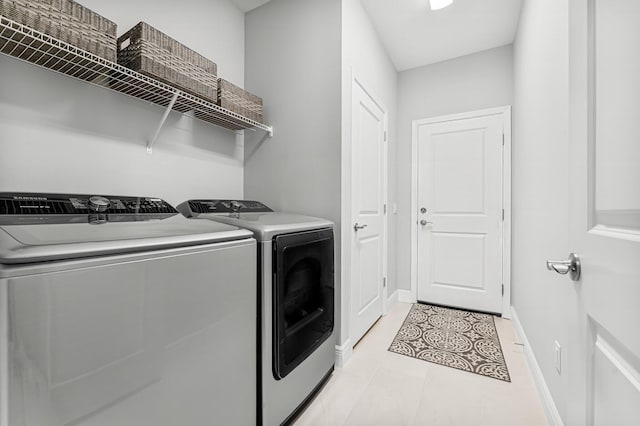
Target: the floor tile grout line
pixel 373 375
pixel 361 394
pixel 422 391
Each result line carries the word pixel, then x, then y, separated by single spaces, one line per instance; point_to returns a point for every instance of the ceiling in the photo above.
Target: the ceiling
pixel 247 5
pixel 414 35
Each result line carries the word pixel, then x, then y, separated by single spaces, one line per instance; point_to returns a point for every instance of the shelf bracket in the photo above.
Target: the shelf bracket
pixel 164 118
pixel 268 130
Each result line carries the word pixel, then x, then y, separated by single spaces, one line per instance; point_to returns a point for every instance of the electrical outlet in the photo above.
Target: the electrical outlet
pixel 558 357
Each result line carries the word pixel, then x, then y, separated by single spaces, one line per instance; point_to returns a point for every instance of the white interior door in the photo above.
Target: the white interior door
pixel 460 217
pixel 368 211
pixel 604 356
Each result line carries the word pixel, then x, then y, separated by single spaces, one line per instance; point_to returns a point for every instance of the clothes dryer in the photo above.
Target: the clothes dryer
pixel 296 294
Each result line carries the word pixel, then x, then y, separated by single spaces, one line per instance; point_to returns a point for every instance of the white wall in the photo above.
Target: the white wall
pixel 61 135
pixel 540 181
pixel 293 61
pixel 478 81
pixel 364 56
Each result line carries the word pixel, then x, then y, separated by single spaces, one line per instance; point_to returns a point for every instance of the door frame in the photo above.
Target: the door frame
pixel 344 350
pixel 505 111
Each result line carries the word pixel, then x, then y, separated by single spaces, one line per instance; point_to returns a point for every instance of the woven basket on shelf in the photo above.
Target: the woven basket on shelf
pixel 66 21
pixel 239 101
pixel 153 53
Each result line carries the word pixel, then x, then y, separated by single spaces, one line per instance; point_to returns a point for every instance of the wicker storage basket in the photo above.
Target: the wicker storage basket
pixel 153 53
pixel 66 21
pixel 239 101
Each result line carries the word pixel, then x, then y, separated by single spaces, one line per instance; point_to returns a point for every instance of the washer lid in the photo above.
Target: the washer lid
pixel 26 243
pixel 37 227
pixel 252 215
pixel 266 225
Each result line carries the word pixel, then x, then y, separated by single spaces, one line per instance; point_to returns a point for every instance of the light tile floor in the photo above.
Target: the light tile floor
pixel 378 387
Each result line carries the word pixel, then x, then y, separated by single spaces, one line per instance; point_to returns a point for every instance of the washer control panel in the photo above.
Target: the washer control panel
pixel 227 206
pixel 54 208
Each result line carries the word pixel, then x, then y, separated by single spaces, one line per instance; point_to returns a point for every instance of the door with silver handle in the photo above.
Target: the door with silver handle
pixel 564 267
pixel 357 227
pixel 424 222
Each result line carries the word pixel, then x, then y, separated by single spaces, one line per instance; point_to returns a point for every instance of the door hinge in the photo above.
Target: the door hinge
pixel 503 289
pixel 503 139
pixel 503 215
pixel 385 135
pixel 385 209
pixel 384 281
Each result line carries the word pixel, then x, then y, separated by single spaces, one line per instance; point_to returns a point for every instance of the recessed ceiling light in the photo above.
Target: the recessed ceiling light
pixel 439 4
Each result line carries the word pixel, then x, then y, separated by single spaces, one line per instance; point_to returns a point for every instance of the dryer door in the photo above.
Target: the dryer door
pixel 303 296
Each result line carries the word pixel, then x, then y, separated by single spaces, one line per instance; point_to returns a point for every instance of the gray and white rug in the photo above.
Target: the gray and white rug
pixel 454 338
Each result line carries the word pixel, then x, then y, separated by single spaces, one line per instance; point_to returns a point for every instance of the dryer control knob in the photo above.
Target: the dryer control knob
pixel 98 204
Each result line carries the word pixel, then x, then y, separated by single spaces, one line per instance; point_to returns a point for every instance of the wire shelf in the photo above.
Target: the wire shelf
pixel 25 43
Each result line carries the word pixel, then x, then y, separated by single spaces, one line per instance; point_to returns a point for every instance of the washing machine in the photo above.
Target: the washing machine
pixel 296 290
pixel 119 311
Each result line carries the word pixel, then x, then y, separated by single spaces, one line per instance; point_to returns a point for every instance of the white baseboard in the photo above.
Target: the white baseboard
pixel 404 296
pixel 550 409
pixel 343 353
pixel 391 300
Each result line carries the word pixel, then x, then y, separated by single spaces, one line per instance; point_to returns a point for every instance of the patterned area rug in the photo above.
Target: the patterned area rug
pixel 454 338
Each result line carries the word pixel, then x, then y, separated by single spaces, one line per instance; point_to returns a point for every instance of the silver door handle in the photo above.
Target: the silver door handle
pixel 423 222
pixel 356 227
pixel 564 267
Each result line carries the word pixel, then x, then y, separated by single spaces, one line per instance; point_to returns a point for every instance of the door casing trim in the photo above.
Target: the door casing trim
pixel 505 111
